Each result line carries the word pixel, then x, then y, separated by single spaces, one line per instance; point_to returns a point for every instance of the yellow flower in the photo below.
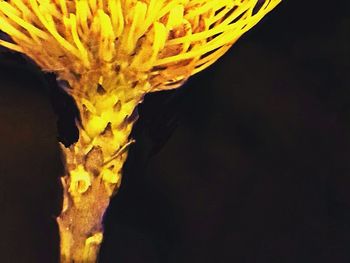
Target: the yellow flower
pixel 161 41
pixel 112 52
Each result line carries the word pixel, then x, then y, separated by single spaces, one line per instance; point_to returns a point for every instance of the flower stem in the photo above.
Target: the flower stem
pixel 80 223
pixel 93 174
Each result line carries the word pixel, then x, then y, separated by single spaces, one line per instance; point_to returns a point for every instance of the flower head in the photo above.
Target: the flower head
pixel 112 52
pixel 118 42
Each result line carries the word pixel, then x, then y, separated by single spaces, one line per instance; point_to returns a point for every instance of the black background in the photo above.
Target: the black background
pixel 248 162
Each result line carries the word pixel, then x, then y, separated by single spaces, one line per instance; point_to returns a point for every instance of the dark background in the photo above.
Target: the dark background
pixel 247 163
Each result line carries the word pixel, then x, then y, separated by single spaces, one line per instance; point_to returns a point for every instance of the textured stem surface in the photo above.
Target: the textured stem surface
pixel 86 197
pixel 93 172
pixel 80 224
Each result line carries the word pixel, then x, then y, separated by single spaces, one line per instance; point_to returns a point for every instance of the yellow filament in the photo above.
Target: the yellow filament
pixel 106 25
pixel 121 21
pixel 175 17
pixel 83 13
pixel 64 9
pixel 52 29
pixel 152 10
pixel 12 31
pixel 4 7
pixel 160 35
pixel 166 9
pixel 11 46
pixel 92 4
pixel 79 45
pixel 138 19
pixel 21 6
pixel 211 59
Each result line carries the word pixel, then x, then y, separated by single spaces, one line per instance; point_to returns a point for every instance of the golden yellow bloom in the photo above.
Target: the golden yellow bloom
pixel 162 41
pixel 111 53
